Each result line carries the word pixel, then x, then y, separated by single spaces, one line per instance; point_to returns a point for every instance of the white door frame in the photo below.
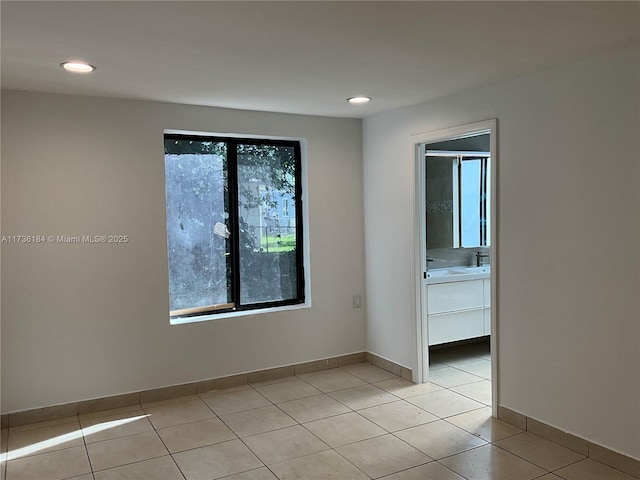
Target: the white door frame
pixel 421 367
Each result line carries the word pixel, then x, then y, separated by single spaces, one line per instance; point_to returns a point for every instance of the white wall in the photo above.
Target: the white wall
pixel 568 240
pixel 86 321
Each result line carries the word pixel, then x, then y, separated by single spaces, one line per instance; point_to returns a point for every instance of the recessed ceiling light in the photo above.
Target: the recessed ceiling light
pixel 77 67
pixel 359 99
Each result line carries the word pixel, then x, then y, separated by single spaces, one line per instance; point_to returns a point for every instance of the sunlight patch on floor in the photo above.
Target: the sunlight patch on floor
pixel 67 437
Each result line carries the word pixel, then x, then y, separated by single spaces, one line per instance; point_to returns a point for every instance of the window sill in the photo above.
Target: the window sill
pixel 244 313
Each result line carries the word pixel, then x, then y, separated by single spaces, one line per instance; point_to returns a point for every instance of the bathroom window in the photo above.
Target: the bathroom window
pixel 474 189
pixel 458 199
pixel 469 202
pixel 228 249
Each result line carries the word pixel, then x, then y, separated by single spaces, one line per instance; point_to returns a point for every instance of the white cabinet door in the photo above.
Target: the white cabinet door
pixel 487 306
pixel 449 327
pixel 487 292
pixel 487 321
pixel 452 296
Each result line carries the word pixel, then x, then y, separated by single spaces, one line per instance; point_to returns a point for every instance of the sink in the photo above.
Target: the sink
pixel 442 272
pixel 449 274
pixel 467 270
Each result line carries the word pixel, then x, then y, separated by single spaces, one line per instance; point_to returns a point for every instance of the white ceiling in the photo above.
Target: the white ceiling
pixel 299 56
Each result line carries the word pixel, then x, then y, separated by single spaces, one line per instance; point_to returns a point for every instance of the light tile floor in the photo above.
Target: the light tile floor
pixel 355 422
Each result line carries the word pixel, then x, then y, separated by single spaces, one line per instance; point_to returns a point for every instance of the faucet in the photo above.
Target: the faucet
pixel 429 259
pixel 479 257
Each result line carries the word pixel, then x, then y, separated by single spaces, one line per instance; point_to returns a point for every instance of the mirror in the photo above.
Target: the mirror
pixel 457 193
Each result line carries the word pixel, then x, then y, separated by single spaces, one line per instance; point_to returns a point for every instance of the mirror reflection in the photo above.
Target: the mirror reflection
pixel 457 193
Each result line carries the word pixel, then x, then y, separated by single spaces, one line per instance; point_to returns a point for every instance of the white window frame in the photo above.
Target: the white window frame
pixel 305 232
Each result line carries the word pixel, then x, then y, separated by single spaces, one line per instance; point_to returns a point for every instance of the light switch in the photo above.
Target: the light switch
pixel 357 301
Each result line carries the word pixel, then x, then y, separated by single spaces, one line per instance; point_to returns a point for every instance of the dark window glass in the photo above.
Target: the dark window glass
pixel 230 246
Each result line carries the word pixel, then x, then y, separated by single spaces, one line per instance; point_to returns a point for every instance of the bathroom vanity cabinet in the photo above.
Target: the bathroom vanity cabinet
pixel 458 309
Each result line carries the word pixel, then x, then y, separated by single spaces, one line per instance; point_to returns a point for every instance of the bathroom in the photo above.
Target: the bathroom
pixel 458 264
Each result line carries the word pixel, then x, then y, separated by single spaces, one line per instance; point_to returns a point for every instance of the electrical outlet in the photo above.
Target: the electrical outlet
pixel 357 301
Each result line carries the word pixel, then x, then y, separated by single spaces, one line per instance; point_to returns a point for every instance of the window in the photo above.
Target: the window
pixel 474 189
pixel 227 246
pixel 458 199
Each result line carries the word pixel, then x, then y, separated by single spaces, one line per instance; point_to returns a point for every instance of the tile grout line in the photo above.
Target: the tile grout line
pixel 195 448
pixel 389 432
pixel 329 448
pixel 155 430
pixel 488 442
pixel 526 460
pixel 86 448
pixel 241 439
pixel 458 453
pixel 163 442
pixel 470 398
pixel 569 464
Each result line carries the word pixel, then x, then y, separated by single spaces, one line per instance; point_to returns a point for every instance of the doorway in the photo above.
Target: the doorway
pixel 456 259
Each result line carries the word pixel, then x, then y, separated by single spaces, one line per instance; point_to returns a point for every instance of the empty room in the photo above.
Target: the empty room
pixel 314 240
